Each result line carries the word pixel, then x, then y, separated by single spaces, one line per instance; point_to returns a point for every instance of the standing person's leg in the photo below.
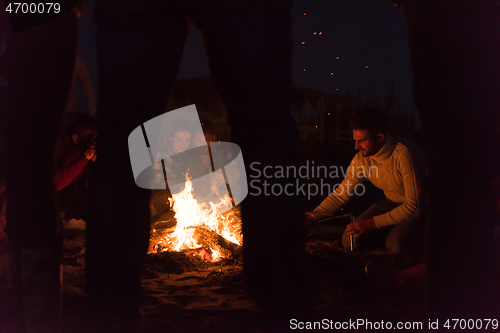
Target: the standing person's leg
pixel 250 58
pixel 38 66
pixel 139 45
pixel 454 51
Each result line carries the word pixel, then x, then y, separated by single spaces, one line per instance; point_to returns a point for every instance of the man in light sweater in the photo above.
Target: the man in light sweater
pixel 394 165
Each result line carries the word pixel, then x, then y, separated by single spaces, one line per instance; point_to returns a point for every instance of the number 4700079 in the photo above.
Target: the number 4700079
pixel 33 8
pixel 477 324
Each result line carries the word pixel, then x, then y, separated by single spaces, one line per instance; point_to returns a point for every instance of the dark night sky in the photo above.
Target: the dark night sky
pixel 359 32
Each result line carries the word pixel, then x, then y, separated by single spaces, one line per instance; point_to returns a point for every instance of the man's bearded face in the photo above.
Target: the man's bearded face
pixel 366 143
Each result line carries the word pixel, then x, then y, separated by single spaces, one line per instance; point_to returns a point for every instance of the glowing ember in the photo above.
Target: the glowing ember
pixel 209 230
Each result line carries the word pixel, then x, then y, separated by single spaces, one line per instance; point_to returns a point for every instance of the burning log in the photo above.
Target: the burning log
pixel 200 229
pixel 212 240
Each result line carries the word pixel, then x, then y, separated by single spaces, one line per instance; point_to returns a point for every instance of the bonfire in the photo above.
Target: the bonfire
pixel 207 231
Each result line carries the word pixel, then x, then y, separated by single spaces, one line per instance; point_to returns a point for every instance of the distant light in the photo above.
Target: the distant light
pixel 303 43
pixel 304 69
pixel 366 66
pixel 320 32
pixel 337 58
pixel 337 89
pixel 304 13
pixel 331 73
pixel 328 113
pixel 315 33
pixel 316 126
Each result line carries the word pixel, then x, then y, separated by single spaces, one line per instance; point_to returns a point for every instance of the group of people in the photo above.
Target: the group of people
pixel 396 165
pixel 189 155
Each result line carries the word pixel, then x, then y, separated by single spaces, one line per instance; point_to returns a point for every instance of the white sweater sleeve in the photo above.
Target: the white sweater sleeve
pixel 341 195
pixel 412 174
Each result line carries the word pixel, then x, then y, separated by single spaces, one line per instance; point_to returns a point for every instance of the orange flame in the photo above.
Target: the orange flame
pixel 191 215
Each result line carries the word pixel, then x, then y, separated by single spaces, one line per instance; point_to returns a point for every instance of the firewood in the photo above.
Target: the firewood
pixel 214 241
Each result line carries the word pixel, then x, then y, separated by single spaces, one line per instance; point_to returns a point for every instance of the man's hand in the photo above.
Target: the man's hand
pixel 360 227
pixel 89 154
pixel 309 220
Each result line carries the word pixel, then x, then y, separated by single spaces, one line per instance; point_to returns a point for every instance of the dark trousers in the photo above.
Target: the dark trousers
pixel 405 238
pixel 72 200
pixel 249 48
pixel 454 49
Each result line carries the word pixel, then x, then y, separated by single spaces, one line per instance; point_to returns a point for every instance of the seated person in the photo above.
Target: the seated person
pixel 75 149
pixel 175 144
pixel 172 155
pixel 193 163
pixel 396 166
pixel 203 159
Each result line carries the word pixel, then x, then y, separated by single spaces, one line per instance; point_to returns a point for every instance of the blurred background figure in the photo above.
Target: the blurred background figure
pixel 75 150
pixel 175 145
pixel 202 161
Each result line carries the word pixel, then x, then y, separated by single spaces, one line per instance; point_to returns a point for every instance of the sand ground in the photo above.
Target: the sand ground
pixel 185 294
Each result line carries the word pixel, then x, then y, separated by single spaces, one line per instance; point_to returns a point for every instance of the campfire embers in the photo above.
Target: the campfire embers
pixel 211 233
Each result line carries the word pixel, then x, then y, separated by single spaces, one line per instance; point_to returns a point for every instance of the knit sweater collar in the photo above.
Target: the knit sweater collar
pixel 387 149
